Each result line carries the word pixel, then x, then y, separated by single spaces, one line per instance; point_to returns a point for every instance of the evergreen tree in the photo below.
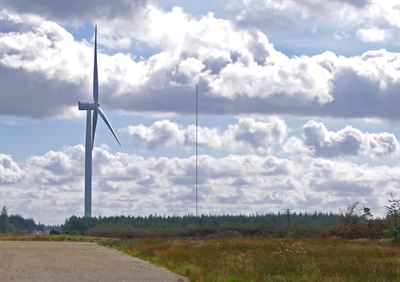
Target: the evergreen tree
pixel 4 220
pixel 393 213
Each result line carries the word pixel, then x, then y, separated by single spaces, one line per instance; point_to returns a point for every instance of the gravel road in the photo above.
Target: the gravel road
pixel 73 261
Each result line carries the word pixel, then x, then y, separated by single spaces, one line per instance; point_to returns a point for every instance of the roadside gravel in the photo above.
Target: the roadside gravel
pixel 74 261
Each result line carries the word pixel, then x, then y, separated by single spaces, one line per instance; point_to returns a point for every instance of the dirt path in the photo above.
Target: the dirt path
pixel 67 261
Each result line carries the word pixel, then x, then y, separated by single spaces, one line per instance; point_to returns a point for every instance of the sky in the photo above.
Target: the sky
pixel 298 106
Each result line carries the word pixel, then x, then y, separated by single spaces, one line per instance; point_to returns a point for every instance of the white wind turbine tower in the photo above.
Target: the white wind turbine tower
pixel 90 131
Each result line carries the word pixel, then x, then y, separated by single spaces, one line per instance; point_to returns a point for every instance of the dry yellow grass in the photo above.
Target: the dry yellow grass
pixel 266 259
pixel 47 237
pixel 258 258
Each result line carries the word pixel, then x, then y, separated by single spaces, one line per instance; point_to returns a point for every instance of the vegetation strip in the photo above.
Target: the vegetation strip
pixel 269 259
pixel 257 258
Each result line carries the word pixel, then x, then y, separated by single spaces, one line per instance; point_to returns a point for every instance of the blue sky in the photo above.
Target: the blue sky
pixel 298 105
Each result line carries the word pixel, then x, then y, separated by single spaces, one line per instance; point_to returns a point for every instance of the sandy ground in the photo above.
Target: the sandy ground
pixel 72 261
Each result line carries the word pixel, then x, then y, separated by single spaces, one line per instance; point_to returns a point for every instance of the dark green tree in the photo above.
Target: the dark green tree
pixel 350 217
pixel 393 213
pixel 4 220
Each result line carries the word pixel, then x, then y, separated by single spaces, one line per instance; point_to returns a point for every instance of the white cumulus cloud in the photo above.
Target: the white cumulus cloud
pixel 374 34
pixel 247 135
pixel 348 141
pixel 238 71
pixel 246 183
pixel 10 172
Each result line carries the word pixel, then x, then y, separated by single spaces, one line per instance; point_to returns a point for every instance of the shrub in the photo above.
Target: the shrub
pixel 373 229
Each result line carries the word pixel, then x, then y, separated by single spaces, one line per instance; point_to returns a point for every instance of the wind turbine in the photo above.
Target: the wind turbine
pixel 91 130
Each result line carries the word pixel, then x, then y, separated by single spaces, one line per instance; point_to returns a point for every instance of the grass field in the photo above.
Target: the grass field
pixel 258 258
pixel 270 259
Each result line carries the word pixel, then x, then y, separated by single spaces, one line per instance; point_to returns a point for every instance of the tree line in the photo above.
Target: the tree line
pixel 76 224
pixel 18 224
pixel 349 224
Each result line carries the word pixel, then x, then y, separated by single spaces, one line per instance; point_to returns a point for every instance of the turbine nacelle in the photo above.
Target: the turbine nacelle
pixel 87 106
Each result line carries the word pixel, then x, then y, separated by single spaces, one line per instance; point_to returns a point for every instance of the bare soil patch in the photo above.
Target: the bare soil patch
pixel 74 261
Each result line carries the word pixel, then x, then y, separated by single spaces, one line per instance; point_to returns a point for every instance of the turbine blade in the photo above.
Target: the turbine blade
pixel 95 75
pixel 101 113
pixel 94 126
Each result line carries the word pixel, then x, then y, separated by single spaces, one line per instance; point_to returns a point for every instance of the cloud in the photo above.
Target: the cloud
pixel 344 188
pixel 10 172
pixel 327 17
pixel 57 167
pixel 248 135
pixel 160 133
pixel 251 135
pixel 374 34
pixel 238 71
pixel 79 11
pixel 247 183
pixel 295 147
pixel 152 24
pixel 259 135
pixel 312 11
pixel 348 141
pixel 47 69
